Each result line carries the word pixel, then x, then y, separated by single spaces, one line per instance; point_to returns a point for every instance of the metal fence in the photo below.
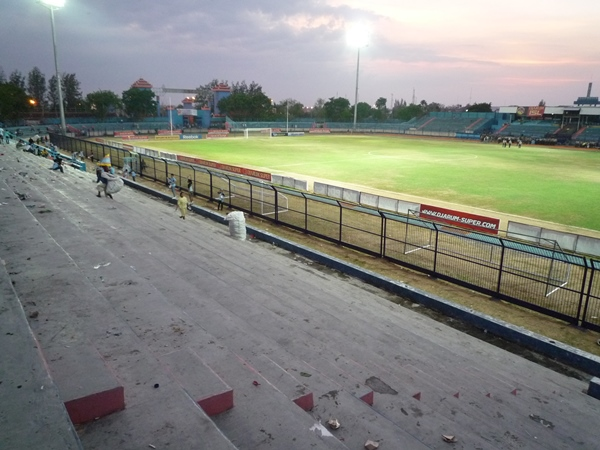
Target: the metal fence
pixel 541 278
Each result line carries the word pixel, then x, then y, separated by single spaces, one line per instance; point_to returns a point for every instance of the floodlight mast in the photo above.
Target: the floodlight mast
pixel 52 5
pixel 357 37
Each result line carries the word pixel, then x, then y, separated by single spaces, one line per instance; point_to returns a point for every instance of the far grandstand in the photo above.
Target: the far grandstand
pixel 577 125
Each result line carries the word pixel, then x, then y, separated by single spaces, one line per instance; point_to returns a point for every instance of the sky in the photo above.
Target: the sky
pixel 461 52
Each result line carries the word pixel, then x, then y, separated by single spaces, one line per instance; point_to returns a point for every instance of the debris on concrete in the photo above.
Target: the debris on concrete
pixel 449 438
pixel 334 424
pixel 34 315
pixel 371 445
pixel 256 383
pixel 101 265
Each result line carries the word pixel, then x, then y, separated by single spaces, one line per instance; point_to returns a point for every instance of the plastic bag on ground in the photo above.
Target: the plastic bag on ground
pixel 237 225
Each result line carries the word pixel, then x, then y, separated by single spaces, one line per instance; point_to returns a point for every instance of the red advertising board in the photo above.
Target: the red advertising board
pixel 460 219
pixel 226 167
pixel 535 111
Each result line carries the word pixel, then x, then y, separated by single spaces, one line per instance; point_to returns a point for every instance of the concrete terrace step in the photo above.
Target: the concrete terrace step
pixel 201 383
pixel 359 421
pixel 263 417
pixel 32 415
pixel 70 308
pixel 87 386
pixel 291 387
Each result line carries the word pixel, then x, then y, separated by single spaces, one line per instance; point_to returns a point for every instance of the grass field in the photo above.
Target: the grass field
pixel 551 184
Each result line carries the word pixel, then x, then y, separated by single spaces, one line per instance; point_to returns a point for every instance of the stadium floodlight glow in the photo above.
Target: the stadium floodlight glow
pixel 52 5
pixel 357 36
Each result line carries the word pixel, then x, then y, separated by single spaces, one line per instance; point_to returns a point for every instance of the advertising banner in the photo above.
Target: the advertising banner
pixel 226 167
pixel 460 219
pixel 166 137
pixel 217 134
pixel 535 111
pixel 185 137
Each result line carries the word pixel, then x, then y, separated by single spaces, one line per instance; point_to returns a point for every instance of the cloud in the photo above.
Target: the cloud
pixel 511 52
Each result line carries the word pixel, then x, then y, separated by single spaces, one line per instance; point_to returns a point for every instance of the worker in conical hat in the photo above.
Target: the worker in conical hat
pixel 105 162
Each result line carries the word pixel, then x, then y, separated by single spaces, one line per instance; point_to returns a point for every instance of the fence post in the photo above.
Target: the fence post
pixel 582 315
pixel 435 247
pixel 276 203
pixel 340 228
pixel 382 240
pixel 305 212
pixel 500 267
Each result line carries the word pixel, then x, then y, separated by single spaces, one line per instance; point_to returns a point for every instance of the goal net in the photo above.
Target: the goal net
pixel 258 133
pixel 261 199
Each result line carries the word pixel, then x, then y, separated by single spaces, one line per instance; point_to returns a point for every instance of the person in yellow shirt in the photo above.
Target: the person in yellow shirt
pixel 182 203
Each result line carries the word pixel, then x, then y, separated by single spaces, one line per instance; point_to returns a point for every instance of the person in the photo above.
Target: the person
pixel 190 187
pixel 57 164
pixel 172 183
pixel 133 175
pixel 220 201
pixel 182 204
pixel 98 174
pixel 105 178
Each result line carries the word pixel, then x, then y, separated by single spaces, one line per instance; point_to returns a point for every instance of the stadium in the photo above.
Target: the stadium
pixel 266 339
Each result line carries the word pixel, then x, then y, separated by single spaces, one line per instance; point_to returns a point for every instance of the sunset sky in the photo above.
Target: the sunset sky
pixel 470 51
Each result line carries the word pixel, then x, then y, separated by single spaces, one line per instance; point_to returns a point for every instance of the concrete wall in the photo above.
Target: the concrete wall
pixel 567 241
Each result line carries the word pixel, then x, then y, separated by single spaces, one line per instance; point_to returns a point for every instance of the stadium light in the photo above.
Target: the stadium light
pixel 357 36
pixel 52 5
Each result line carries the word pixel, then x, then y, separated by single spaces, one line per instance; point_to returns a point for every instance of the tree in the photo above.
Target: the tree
pixel 102 103
pixel 17 79
pixel 363 111
pixel 246 105
pixel 52 94
pixel 381 111
pixel 139 103
pixel 204 93
pixel 337 109
pixel 71 91
pixel 407 112
pixel 289 109
pixel 2 76
pixel 318 112
pixel 14 103
pixel 480 107
pixel 243 88
pixel 542 103
pixel 36 87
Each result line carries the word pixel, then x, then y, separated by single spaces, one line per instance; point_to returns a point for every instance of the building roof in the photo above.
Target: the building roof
pixel 141 84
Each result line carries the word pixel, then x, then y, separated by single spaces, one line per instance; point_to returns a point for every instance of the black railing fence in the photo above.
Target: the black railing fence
pixel 543 279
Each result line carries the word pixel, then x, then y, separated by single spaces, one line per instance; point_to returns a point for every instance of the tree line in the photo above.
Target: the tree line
pixel 32 95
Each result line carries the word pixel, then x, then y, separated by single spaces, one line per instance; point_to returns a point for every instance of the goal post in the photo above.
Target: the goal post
pixel 258 132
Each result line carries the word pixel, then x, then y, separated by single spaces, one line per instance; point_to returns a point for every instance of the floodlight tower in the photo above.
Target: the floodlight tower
pixel 357 36
pixel 52 5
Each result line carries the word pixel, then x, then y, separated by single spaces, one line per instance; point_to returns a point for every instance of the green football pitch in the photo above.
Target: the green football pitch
pixel 552 184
